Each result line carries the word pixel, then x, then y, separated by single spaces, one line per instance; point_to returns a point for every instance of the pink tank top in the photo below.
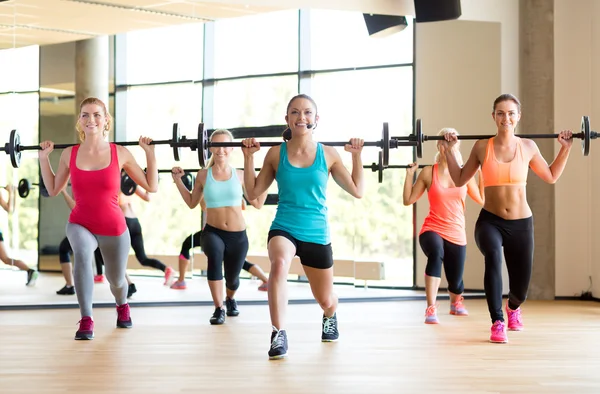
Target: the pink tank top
pixel 446 211
pixel 96 195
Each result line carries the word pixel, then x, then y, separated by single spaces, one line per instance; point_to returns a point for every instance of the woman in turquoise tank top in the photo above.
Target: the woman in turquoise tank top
pixel 224 240
pixel 301 167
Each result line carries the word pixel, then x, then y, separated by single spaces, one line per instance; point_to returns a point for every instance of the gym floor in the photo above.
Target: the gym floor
pixel 384 348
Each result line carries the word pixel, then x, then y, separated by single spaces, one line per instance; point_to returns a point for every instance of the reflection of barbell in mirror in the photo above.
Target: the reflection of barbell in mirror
pixel 128 186
pixel 24 187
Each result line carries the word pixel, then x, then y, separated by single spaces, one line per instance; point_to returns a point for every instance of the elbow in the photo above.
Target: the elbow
pixel 151 189
pixel 406 203
pixel 359 194
pixel 251 195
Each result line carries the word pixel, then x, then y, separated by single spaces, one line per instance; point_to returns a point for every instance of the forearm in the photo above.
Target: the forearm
pixel 455 170
pixel 48 177
pixel 250 177
pixel 408 187
pixel 185 193
pixel 558 165
pixel 358 174
pixel 151 172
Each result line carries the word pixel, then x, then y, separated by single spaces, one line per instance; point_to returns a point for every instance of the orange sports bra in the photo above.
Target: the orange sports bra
pixel 513 173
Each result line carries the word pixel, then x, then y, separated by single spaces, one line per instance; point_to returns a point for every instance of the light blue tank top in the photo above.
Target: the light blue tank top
pixel 227 193
pixel 302 210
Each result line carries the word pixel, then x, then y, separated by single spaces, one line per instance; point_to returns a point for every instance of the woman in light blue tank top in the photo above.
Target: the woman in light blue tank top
pixel 223 240
pixel 301 167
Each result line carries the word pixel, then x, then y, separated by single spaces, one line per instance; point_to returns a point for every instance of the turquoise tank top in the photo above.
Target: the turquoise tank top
pixel 227 193
pixel 302 210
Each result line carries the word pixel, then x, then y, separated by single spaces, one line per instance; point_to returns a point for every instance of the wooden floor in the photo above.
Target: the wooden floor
pixel 384 348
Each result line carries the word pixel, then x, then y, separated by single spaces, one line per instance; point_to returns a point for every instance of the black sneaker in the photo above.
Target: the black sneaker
pixel 32 276
pixel 279 344
pixel 131 290
pixel 66 290
pixel 330 329
pixel 218 317
pixel 231 305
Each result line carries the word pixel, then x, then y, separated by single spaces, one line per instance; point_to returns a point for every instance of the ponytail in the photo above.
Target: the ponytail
pixel 287 134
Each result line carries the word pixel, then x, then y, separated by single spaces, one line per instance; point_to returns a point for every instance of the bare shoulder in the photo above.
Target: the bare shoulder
pixel 65 156
pixel 426 174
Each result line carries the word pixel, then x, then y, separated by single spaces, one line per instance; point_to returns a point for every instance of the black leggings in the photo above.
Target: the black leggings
pixel 452 256
pixel 187 245
pixel 137 243
pixel 492 233
pixel 227 249
pixel 65 250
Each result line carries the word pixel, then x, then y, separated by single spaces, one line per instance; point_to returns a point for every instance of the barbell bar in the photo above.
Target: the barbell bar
pixel 203 144
pixel 14 148
pixel 586 135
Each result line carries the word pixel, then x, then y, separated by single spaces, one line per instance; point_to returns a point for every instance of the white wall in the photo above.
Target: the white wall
pixel 577 93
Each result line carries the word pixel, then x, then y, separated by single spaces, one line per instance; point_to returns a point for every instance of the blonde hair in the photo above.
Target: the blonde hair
pixel 96 101
pixel 455 148
pixel 211 161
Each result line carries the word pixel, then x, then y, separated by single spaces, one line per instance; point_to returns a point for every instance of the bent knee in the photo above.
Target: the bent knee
pixel 279 268
pixel 325 302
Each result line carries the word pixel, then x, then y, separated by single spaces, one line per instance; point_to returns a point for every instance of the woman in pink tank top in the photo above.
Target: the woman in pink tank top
pixel 94 167
pixel 442 237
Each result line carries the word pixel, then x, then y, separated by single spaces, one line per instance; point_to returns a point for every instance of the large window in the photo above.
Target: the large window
pixel 163 54
pixel 19 69
pixel 339 39
pixel 261 44
pixel 253 101
pixel 253 66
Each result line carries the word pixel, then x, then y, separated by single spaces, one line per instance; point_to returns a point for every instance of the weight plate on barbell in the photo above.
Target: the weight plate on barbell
pixel 202 146
pixel 585 129
pixel 128 186
pixel 175 142
pixel 23 188
pixel 385 140
pixel 380 167
pixel 13 149
pixel 419 138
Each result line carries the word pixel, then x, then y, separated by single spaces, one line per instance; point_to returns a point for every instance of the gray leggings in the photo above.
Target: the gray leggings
pixel 115 251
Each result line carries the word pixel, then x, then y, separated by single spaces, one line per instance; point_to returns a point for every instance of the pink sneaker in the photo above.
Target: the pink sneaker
pixel 457 308
pixel 431 315
pixel 179 285
pixel 264 286
pixel 86 329
pixel 169 276
pixel 498 332
pixel 515 321
pixel 98 278
pixel 123 316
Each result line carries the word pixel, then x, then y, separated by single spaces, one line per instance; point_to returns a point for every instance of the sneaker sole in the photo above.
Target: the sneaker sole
pixel 86 338
pixel 459 314
pixel 278 357
pixel 432 322
pixel 233 314
pixel 124 325
pixel 515 329
pixel 492 341
pixel 329 340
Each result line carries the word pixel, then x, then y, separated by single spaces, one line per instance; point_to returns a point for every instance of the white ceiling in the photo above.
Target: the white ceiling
pixel 43 22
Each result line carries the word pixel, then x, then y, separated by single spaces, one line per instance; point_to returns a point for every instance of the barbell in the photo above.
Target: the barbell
pixel 24 187
pixel 417 139
pixel 13 147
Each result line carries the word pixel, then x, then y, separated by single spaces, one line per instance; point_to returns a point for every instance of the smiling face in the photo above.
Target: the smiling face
pixel 301 112
pixel 507 114
pixel 93 119
pixel 220 154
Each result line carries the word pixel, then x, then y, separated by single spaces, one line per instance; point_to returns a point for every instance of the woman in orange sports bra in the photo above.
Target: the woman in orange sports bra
pixel 443 237
pixel 505 223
